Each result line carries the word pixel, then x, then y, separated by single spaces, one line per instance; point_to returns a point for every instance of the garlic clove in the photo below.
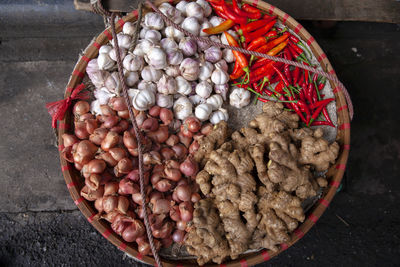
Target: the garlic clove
pixel 215 101
pixel 182 108
pixel 184 87
pixel 188 46
pixel 204 89
pixel 219 115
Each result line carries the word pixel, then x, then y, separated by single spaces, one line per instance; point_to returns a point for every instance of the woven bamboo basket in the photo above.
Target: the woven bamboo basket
pixel 335 173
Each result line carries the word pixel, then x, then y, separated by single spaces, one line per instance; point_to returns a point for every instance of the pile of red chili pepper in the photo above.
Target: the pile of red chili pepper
pixel 297 88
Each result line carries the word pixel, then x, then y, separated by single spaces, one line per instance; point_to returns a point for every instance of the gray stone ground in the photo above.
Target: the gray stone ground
pixel 40 225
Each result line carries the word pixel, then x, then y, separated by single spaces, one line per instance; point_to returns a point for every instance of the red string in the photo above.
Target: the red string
pixel 58 108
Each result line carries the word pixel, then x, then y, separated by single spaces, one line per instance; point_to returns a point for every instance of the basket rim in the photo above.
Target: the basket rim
pixel 335 173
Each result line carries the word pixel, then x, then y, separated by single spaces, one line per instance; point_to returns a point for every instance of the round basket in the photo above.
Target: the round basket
pixel 335 173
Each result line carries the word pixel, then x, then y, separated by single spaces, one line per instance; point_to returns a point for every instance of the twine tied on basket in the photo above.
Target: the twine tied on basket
pixel 58 108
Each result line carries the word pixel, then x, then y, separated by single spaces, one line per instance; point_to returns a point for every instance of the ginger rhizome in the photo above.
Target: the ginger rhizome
pixel 255 182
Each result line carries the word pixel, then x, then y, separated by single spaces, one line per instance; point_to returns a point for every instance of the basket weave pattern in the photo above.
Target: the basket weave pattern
pixel 335 173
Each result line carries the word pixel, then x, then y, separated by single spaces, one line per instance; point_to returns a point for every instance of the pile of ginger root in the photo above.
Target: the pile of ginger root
pixel 255 181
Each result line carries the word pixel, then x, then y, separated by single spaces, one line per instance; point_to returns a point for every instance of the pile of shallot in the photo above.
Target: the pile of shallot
pixel 104 149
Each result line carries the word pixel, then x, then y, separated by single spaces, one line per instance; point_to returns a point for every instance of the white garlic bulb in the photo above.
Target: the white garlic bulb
pixel 164 101
pixel 175 15
pixel 206 7
pixel 167 85
pixel 203 111
pixel 173 33
pixel 215 101
pixel 213 54
pixel 221 89
pixel 172 70
pixel 219 76
pixel 189 69
pixel 105 62
pixel 168 44
pixel 239 97
pixel 156 58
pixel 96 75
pixel 133 62
pixel 205 25
pixel 194 10
pixel 227 54
pixel 174 57
pixel 105 49
pixel 181 6
pixel 206 69
pixel 204 89
pixel 129 28
pixel 112 83
pixel 219 115
pixel 153 35
pixel 143 47
pixel 183 86
pixel 124 41
pixel 196 100
pixel 164 7
pixel 131 78
pixel 113 53
pixel 147 85
pixel 144 100
pixel 142 33
pixel 188 46
pixel 182 108
pixel 191 24
pixel 222 65
pixel 102 95
pixel 151 74
pixel 153 21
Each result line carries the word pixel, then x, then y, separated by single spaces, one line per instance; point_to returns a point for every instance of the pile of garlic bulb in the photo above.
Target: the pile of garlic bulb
pixel 166 68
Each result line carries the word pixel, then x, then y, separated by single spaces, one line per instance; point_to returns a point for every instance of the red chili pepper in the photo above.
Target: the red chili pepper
pixel 296 75
pixel 326 115
pixel 317 112
pixel 224 26
pixel 279 87
pixel 296 48
pixel 274 51
pixel 303 106
pixel 302 95
pixel 260 62
pixel 250 15
pixel 250 8
pixel 237 71
pixel 242 60
pixel 319 123
pixel 286 69
pixel 323 102
pixel 220 14
pixel 231 14
pixel 294 39
pixel 321 86
pixel 250 36
pixel 252 26
pixel 267 47
pixel 280 74
pixel 301 81
pixel 297 109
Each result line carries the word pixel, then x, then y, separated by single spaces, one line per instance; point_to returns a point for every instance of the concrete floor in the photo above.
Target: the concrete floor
pixel 39 223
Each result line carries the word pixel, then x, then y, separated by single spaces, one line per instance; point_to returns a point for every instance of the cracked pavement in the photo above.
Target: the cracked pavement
pixel 39 223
